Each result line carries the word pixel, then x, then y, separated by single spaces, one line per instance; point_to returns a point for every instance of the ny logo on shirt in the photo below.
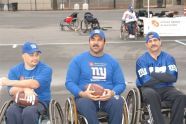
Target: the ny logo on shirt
pixel 98 73
pixel 25 78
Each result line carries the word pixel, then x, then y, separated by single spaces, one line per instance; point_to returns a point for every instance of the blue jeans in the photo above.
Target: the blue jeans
pixel 131 27
pixel 24 115
pixel 89 108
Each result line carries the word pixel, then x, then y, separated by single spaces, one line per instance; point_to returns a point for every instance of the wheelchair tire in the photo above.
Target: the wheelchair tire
pixel 55 113
pixel 65 26
pixel 122 35
pixel 125 119
pixel 71 116
pixel 84 26
pixel 132 105
pixel 3 110
pixel 75 25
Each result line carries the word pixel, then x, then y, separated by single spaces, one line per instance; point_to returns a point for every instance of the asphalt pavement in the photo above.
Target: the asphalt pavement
pixel 59 47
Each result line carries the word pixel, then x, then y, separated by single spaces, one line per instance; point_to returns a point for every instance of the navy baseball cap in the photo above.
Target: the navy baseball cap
pixel 130 7
pixel 30 48
pixel 98 32
pixel 151 35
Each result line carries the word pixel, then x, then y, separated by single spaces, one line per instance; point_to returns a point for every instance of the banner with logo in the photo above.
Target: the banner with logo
pixel 166 26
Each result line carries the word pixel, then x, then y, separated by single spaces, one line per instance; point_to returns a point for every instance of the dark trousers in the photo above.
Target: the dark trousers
pixel 154 97
pixel 24 115
pixel 89 108
pixel 131 27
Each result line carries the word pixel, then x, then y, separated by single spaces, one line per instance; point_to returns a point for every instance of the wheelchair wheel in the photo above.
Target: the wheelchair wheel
pixel 3 110
pixel 75 25
pixel 71 116
pixel 65 26
pixel 84 26
pixel 133 102
pixel 55 113
pixel 123 33
pixel 125 119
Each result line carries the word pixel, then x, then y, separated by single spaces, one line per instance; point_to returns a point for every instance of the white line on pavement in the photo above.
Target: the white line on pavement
pixel 177 41
pixel 84 43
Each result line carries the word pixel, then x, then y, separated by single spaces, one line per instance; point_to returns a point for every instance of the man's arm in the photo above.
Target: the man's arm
pixel 72 78
pixel 118 80
pixel 164 77
pixel 170 76
pixel 143 74
pixel 124 16
pixel 19 85
pixel 151 82
pixel 31 83
pixel 149 79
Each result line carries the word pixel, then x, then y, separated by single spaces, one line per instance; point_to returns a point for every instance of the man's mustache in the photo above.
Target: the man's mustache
pixel 154 46
pixel 95 45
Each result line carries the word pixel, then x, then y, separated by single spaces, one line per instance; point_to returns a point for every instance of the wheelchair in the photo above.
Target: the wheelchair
pixel 124 35
pixel 89 23
pixel 139 112
pixel 70 23
pixel 54 114
pixel 73 117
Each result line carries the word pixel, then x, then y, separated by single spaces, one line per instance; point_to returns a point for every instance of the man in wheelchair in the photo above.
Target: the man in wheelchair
pixel 33 78
pixel 156 76
pixel 130 21
pixel 96 67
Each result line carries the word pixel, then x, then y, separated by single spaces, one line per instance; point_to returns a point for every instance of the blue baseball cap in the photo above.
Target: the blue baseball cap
pixel 98 32
pixel 30 48
pixel 151 35
pixel 130 7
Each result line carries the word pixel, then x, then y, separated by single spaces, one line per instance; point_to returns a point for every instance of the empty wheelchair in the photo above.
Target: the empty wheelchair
pixel 89 23
pixel 70 23
pixel 54 114
pixel 73 117
pixel 139 111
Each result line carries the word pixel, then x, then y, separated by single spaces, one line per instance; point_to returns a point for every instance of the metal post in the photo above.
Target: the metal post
pixel 35 4
pixel 62 4
pixel 114 4
pixel 69 4
pixel 30 4
pixel 148 9
pixel 8 4
pixel 148 14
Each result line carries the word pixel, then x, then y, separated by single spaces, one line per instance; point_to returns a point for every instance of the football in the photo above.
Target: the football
pixel 20 99
pixel 98 90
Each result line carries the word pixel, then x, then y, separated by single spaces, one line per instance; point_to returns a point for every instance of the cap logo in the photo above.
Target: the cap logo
pixel 97 31
pixel 33 46
pixel 151 36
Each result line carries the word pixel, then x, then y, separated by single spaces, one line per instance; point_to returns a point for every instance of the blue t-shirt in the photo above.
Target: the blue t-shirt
pixel 85 69
pixel 145 65
pixel 42 73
